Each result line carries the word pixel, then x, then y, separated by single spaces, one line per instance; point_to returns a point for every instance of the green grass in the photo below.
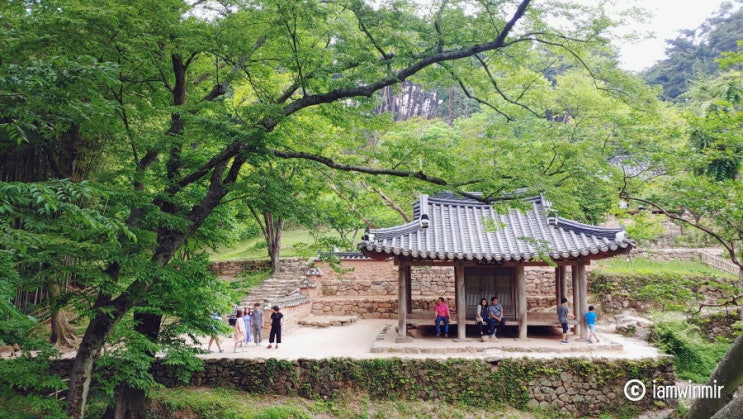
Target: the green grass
pixel 638 266
pixel 294 242
pixel 221 403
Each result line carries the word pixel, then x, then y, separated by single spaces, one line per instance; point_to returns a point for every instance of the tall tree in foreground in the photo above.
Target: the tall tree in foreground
pixel 705 192
pixel 202 93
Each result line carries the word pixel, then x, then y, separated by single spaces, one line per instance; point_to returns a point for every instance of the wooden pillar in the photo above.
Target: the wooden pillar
pixel 576 294
pixel 461 301
pixel 403 273
pixel 559 284
pixel 564 283
pixel 408 280
pixel 583 299
pixel 521 302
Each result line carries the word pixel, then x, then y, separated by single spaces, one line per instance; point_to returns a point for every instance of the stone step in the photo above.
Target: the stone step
pixel 284 286
pixel 327 321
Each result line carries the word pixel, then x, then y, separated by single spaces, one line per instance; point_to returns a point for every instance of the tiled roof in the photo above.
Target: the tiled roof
pixel 460 228
pixel 342 255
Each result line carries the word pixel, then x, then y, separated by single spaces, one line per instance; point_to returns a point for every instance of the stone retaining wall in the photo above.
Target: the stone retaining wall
pixel 573 387
pixel 616 293
pixel 365 308
pixel 374 279
pixel 666 255
pixel 234 268
pixel 725 324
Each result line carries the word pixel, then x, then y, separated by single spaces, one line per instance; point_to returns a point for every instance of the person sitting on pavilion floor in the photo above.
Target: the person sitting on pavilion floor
pixel 441 314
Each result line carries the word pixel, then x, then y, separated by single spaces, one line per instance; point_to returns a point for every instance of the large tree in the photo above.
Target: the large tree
pixel 204 92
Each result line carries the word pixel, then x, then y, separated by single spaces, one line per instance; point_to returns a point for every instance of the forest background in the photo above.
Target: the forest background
pixel 134 138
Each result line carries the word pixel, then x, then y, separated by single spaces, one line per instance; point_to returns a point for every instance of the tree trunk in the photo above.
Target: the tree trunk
pixel 728 374
pixel 273 238
pixel 132 402
pixel 82 370
pixel 732 410
pixel 62 333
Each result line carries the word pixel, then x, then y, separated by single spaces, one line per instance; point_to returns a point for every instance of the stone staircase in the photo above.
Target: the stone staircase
pixel 284 288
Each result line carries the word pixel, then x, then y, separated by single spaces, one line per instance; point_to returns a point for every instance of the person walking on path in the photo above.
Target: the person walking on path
pixel 591 323
pixel 442 314
pixel 481 313
pixel 215 335
pixel 239 328
pixel 495 317
pixel 257 323
pixel 562 316
pixel 276 320
pixel 233 316
pixel 246 319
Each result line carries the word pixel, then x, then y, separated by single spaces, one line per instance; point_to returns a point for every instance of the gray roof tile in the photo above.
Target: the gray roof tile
pixel 462 228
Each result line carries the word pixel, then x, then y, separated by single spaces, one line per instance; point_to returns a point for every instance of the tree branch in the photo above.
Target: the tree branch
pixel 367 90
pixel 698 226
pixel 364 169
pixel 362 26
pixel 437 25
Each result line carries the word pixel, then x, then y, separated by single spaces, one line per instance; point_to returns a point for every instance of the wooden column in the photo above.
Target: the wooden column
pixel 564 283
pixel 408 280
pixel 576 296
pixel 461 301
pixel 583 299
pixel 559 284
pixel 403 273
pixel 521 302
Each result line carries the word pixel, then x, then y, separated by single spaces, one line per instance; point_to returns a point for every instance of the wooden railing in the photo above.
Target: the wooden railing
pixel 719 263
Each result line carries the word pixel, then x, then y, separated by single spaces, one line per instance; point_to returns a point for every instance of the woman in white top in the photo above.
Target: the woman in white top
pixel 239 335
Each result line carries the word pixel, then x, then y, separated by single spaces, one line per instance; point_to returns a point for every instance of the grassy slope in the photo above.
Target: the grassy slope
pixel 221 403
pixel 638 265
pixel 296 242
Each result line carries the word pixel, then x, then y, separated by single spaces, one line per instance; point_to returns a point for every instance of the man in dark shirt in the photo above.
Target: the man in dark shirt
pixel 495 316
pixel 562 316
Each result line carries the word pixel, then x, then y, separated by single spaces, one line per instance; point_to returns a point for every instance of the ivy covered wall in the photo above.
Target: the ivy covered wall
pixel 574 386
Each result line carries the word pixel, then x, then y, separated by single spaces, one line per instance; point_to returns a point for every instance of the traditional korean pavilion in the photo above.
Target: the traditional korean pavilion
pixel 489 252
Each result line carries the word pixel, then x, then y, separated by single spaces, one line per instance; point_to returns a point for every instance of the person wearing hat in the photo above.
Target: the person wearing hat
pixel 257 324
pixel 276 318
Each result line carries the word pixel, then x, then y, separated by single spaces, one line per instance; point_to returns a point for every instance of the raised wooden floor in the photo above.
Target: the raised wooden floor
pixel 425 318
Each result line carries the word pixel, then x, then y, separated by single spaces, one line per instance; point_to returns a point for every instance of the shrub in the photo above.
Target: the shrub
pixel 695 359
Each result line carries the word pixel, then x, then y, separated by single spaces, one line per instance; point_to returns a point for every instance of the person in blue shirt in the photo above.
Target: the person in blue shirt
pixel 591 323
pixel 214 337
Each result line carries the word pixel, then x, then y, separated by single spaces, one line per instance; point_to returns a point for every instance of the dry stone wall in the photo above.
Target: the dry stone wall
pixel 372 285
pixel 234 268
pixel 724 324
pixel 574 387
pixel 666 255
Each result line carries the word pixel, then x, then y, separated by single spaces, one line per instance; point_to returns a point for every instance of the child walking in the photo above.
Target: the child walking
pixel 562 316
pixel 591 323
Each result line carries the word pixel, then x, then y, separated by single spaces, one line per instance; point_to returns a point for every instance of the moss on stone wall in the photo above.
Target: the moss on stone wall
pixel 572 386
